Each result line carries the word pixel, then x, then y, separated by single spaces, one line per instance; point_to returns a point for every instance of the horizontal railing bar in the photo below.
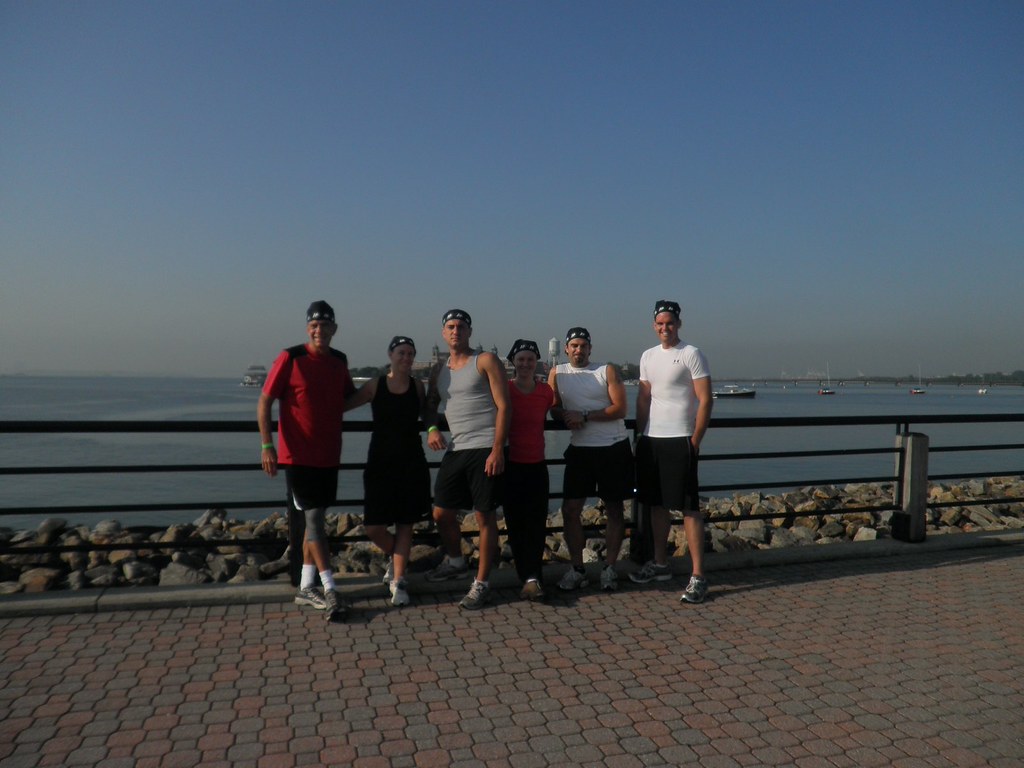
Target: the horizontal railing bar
pixel 993 447
pixel 100 469
pixel 797 454
pixel 265 542
pixel 184 506
pixel 87 426
pixel 166 507
pixel 775 515
pixel 798 483
pixel 972 475
pixel 974 502
pixel 95 469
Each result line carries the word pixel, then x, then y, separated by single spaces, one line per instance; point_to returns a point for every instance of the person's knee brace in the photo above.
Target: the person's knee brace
pixel 315 530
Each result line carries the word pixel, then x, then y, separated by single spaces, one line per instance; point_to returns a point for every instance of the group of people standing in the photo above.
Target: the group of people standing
pixel 494 453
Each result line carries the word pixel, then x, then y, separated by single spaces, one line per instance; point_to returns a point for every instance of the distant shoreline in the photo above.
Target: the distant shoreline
pixel 1014 379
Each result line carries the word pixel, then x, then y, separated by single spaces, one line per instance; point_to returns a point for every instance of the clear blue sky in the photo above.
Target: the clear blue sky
pixel 817 183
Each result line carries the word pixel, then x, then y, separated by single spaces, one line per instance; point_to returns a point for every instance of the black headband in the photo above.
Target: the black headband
pixel 399 340
pixel 523 345
pixel 320 310
pixel 577 333
pixel 457 314
pixel 664 305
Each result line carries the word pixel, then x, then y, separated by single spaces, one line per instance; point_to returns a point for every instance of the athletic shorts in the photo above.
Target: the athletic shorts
pixel 461 482
pixel 310 491
pixel 666 473
pixel 605 472
pixel 398 493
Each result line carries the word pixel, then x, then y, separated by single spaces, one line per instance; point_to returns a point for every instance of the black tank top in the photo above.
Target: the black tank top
pixel 396 429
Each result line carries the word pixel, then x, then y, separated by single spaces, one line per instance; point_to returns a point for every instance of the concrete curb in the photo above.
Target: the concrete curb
pixel 367 586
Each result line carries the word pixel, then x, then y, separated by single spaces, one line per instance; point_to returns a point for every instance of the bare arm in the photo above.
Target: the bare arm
pixel 362 396
pixel 643 406
pixel 495 373
pixel 702 388
pixel 268 456
pixel 616 393
pixel 431 403
pixel 571 419
pixel 556 398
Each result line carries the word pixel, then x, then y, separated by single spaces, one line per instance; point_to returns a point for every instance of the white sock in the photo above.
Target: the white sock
pixel 328 580
pixel 308 577
pixel 458 562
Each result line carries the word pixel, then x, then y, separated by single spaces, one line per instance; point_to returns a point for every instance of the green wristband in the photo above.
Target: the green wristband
pixel 268 446
pixel 431 429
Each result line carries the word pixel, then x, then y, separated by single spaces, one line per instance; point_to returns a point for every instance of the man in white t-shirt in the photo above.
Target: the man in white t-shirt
pixel 673 410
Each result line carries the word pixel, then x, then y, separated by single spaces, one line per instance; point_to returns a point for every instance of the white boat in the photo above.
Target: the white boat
pixel 254 376
pixel 827 389
pixel 734 390
pixel 919 389
pixel 983 391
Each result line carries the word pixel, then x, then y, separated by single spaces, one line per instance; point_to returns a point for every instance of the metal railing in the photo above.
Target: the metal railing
pixel 901 425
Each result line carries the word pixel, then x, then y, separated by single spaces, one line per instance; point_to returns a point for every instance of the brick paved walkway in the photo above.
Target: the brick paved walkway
pixel 900 661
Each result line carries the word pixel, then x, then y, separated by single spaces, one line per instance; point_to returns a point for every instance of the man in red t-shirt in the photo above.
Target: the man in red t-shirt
pixel 310 382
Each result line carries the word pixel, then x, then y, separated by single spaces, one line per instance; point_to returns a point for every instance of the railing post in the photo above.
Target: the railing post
pixel 908 524
pixel 296 535
pixel 641 542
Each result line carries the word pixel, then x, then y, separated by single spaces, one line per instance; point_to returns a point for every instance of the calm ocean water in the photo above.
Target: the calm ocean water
pixel 89 398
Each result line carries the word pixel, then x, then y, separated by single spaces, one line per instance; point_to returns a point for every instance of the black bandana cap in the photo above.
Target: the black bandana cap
pixel 664 305
pixel 457 314
pixel 577 333
pixel 320 310
pixel 399 340
pixel 523 345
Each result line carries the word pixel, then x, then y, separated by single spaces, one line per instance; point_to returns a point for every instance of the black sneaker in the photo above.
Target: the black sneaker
pixel 477 596
pixel 651 572
pixel 446 570
pixel 695 591
pixel 336 609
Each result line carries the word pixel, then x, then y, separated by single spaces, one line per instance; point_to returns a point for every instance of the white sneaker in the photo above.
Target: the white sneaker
pixel 399 595
pixel 389 574
pixel 573 580
pixel 609 579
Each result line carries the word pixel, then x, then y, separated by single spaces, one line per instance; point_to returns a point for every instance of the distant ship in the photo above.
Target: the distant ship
pixel 254 376
pixel 732 390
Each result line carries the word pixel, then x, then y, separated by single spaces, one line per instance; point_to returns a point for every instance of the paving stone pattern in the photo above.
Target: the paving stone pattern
pixel 912 661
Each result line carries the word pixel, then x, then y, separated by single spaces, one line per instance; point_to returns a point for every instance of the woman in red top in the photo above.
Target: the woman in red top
pixel 526 474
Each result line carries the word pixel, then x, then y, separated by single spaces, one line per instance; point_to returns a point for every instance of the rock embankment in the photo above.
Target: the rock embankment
pixel 818 515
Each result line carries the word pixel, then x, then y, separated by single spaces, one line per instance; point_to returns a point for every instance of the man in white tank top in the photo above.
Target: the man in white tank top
pixel 591 400
pixel 474 389
pixel 673 410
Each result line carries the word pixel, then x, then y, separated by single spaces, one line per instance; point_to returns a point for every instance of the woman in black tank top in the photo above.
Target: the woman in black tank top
pixel 396 481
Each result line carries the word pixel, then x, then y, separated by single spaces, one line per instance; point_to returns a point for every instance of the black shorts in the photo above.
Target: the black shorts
pixel 461 482
pixel 666 473
pixel 605 472
pixel 311 487
pixel 311 490
pixel 398 493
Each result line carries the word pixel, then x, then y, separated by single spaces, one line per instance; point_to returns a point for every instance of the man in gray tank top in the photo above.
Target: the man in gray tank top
pixel 474 390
